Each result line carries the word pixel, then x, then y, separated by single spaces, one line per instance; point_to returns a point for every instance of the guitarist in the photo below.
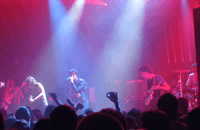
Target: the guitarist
pixel 13 95
pixel 156 85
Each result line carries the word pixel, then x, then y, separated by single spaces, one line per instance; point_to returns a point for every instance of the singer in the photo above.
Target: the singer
pixel 79 92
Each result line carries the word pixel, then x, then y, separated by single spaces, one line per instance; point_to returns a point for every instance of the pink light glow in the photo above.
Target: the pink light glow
pixel 95 2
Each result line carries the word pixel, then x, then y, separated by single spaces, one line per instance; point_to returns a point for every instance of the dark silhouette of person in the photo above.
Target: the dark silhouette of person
pixel 42 124
pixel 2 121
pixel 63 117
pixel 21 125
pixel 135 113
pixel 48 110
pixel 23 113
pixel 193 119
pixel 183 109
pixel 117 114
pixel 99 121
pixel 169 104
pixel 154 120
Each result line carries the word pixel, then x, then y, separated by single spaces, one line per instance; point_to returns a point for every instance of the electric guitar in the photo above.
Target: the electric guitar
pixel 150 94
pixel 8 98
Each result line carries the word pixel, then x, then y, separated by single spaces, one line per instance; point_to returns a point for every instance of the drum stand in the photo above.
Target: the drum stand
pixel 180 84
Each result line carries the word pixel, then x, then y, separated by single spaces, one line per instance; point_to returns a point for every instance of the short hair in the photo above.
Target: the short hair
pixel 23 113
pixel 63 117
pixel 117 114
pixel 193 65
pixel 154 120
pixel 21 125
pixel 9 122
pixel 145 68
pixel 74 71
pixel 168 104
pixel 136 113
pixel 42 124
pixel 99 121
pixel 193 119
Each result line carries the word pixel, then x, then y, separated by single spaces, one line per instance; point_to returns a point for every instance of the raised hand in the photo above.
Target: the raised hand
pixel 31 99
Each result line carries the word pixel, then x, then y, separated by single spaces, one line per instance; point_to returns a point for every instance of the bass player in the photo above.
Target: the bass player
pixel 156 85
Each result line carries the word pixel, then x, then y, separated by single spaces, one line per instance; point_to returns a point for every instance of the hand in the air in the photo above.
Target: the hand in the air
pixel 31 99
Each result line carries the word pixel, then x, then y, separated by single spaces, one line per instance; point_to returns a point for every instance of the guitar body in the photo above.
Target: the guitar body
pixel 149 97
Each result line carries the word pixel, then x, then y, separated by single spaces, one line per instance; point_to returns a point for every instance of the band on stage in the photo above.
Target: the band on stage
pixel 32 93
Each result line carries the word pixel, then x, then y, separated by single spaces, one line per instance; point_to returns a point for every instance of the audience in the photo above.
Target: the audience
pixel 117 114
pixel 37 113
pixel 169 104
pixel 99 121
pixel 21 125
pixel 23 113
pixel 183 109
pixel 131 122
pixel 136 114
pixel 154 120
pixel 2 121
pixel 88 111
pixel 193 119
pixel 9 122
pixel 63 117
pixel 42 124
pixel 48 110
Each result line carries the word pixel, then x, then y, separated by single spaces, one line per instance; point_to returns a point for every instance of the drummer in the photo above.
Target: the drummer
pixel 193 78
pixel 192 85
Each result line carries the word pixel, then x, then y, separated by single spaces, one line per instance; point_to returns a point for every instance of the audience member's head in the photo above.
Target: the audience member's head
pixel 124 113
pixel 63 117
pixel 134 112
pixel 48 110
pixel 4 112
pixel 23 113
pixel 131 122
pixel 21 125
pixel 2 120
pixel 193 119
pixel 99 121
pixel 80 117
pixel 183 105
pixel 42 124
pixel 168 104
pixel 37 113
pixel 118 115
pixel 9 122
pixel 154 120
pixel 88 111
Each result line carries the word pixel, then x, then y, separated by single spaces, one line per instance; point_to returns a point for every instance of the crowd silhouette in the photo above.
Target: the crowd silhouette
pixel 171 114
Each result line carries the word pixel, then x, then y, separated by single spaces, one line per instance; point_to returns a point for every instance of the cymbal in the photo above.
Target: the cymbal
pixel 181 71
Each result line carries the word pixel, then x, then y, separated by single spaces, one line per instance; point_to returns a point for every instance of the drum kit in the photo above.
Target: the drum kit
pixel 190 92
